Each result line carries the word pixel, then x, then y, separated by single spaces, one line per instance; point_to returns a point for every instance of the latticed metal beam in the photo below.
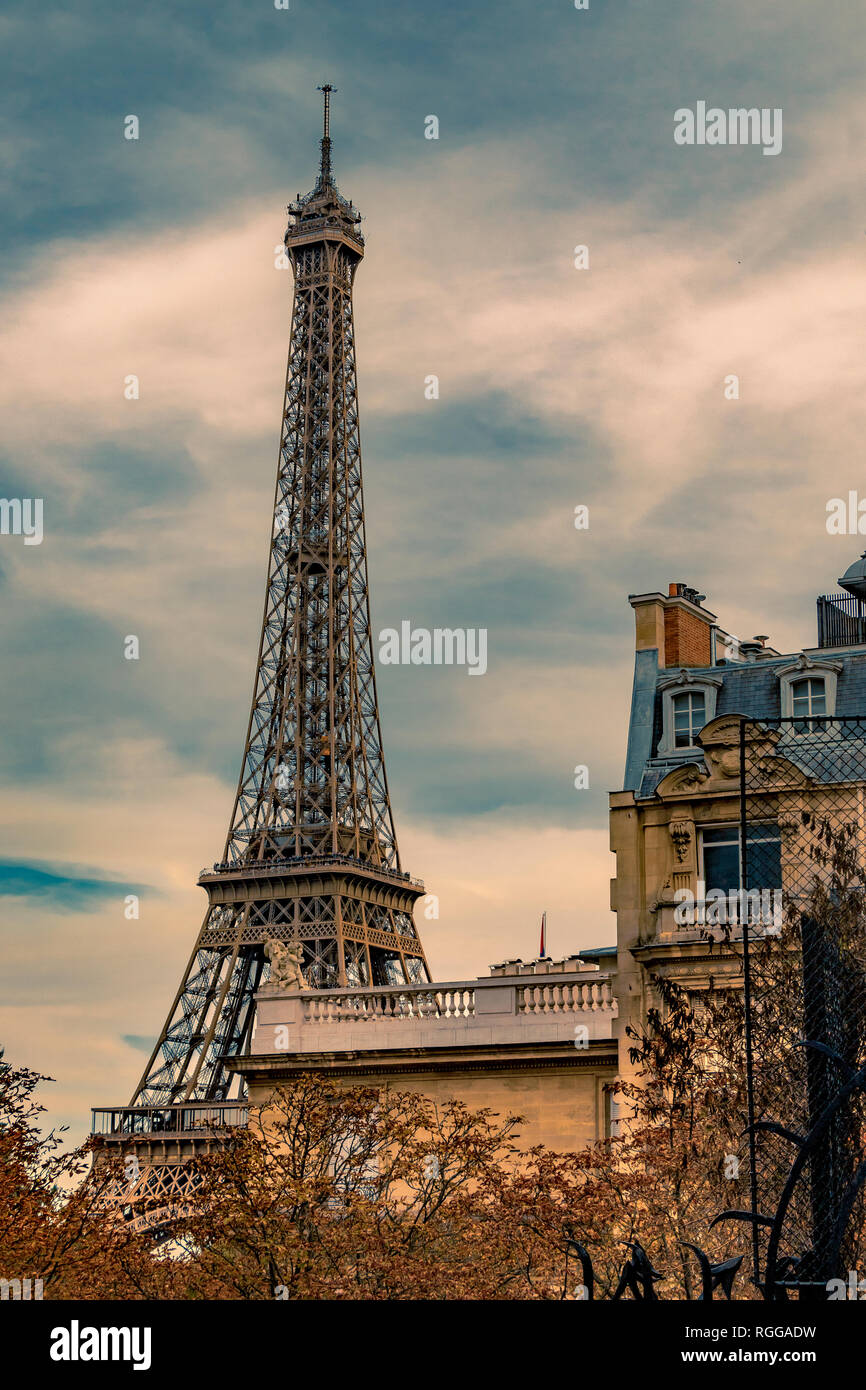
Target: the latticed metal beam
pixel 311 854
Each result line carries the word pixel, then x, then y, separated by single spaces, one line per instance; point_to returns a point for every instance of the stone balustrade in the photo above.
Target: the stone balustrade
pixel 556 998
pixel 403 1002
pixel 516 1008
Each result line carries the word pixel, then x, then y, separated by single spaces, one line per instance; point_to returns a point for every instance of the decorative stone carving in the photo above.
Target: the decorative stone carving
pixel 724 763
pixel 286 972
pixel 687 678
pixel 681 838
pixel 663 898
pixel 808 664
pixel 780 772
pixel 725 731
pixel 689 778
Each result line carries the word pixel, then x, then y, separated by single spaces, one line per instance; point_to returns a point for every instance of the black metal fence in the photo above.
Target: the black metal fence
pixel 841 620
pixel 802 854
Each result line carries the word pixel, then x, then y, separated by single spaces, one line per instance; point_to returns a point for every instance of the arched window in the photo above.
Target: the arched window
pixel 688 704
pixel 807 693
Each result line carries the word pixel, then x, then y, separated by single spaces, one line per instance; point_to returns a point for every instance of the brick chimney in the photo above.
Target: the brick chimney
pixel 676 625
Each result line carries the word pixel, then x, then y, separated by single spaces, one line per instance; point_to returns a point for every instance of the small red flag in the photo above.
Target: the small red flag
pixel 541 950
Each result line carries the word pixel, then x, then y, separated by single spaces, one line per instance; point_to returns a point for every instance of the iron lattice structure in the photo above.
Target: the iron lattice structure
pixel 803 857
pixel 311 854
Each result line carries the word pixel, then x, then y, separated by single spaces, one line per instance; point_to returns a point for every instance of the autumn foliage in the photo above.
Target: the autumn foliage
pixel 362 1193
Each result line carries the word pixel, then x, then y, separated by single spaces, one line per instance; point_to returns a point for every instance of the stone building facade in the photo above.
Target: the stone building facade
pixel 535 1040
pixel 675 825
pixel 546 1039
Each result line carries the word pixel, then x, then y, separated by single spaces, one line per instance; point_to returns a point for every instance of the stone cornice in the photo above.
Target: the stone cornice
pixel 270 1067
pixel 694 952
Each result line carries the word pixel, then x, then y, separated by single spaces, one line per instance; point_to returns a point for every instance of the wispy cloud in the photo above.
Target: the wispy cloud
pixel 557 387
pixel 65 890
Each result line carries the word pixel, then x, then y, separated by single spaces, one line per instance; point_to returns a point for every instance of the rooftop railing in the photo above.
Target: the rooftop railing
pixel 189 1118
pixel 841 621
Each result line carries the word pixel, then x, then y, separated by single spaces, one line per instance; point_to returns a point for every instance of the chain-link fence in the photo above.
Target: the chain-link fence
pixel 802 850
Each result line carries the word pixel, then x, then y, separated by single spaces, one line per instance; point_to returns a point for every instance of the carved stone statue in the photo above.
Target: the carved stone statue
pixel 285 959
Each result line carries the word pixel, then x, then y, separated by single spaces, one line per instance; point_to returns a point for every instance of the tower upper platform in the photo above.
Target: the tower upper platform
pixel 324 214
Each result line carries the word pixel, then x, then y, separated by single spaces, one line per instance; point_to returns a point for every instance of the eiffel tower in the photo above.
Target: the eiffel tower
pixel 311 855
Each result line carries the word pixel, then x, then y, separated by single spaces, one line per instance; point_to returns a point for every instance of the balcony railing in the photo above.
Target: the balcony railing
pixel 400 1002
pixel 420 1003
pixel 305 861
pixel 548 997
pixel 169 1120
pixel 841 621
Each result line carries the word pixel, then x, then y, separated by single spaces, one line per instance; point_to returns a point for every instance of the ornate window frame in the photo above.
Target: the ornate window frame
pixel 679 684
pixel 807 666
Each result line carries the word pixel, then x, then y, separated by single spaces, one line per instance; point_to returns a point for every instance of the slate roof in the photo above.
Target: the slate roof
pixel 753 689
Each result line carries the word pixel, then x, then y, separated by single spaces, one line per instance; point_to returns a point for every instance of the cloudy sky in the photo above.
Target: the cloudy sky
pixel 558 387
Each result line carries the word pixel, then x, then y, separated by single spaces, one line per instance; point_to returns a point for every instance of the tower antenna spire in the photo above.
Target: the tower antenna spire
pixel 325 169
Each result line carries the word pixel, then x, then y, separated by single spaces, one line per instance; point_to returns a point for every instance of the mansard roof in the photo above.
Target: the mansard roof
pixel 751 688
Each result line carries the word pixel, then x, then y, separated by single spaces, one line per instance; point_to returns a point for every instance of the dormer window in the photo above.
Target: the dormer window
pixel 688 705
pixel 690 716
pixel 807 693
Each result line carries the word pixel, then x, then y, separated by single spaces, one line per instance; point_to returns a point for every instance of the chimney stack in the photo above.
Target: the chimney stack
pixel 676 625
